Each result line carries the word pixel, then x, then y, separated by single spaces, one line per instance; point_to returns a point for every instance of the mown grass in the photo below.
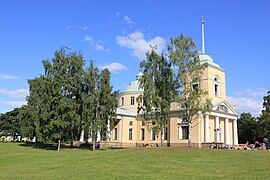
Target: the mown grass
pixel 21 162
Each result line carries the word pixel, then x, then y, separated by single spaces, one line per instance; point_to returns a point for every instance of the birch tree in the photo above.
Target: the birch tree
pixel 157 82
pixel 187 77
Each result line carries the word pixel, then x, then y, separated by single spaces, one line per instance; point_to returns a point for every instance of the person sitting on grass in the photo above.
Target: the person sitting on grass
pixel 213 146
pixel 266 142
pixel 256 146
pixel 247 146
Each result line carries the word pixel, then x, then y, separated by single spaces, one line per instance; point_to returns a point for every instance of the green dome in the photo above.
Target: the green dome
pixel 204 58
pixel 134 85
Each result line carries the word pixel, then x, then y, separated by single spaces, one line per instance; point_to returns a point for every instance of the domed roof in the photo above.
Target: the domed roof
pixel 134 86
pixel 204 58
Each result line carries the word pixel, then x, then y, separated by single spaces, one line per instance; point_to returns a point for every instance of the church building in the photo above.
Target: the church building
pixel 220 125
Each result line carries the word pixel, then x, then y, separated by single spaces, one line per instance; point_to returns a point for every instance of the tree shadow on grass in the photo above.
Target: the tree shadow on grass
pixel 115 148
pixel 53 147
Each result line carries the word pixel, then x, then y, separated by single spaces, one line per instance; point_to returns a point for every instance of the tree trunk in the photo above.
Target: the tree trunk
pixel 189 134
pixel 36 143
pixel 72 138
pixel 59 144
pixel 161 138
pixel 93 141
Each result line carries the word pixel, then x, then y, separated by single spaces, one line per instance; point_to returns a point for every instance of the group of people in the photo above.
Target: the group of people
pixel 257 145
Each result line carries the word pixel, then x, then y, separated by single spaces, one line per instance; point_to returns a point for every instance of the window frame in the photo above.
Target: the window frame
pixel 122 101
pixel 130 134
pixel 132 100
pixel 115 134
pixel 217 86
pixel 142 134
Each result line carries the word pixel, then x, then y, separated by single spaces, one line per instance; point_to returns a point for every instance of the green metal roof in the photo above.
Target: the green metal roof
pixel 122 111
pixel 134 85
pixel 204 58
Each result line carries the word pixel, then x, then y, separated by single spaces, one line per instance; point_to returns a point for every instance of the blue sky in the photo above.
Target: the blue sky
pixel 116 34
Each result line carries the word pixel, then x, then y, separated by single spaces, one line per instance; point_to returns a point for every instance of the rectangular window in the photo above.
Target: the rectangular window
pixel 142 134
pixel 115 134
pixel 123 101
pixel 184 132
pixel 130 133
pixel 132 100
pixel 165 134
pixel 153 135
pixel 217 90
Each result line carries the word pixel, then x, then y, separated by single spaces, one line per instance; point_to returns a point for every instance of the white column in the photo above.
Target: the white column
pixel 227 135
pixel 121 130
pixel 206 128
pixel 179 132
pixel 82 136
pixel 109 131
pixel 98 136
pixel 235 134
pixel 217 128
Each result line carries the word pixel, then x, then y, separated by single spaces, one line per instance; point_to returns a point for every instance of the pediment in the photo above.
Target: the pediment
pixel 224 107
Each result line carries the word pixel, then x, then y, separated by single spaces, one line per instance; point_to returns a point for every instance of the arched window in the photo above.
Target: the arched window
pixel 216 86
pixel 222 108
pixel 130 123
pixel 195 83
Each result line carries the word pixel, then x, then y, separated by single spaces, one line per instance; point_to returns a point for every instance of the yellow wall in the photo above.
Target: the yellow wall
pixel 127 101
pixel 208 83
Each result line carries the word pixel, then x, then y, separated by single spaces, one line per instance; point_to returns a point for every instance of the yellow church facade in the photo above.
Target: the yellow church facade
pixel 220 125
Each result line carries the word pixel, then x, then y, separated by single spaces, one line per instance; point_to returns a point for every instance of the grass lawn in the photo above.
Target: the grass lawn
pixel 21 162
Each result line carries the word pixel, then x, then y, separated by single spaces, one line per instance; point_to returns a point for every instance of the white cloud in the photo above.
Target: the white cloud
pixel 249 100
pixel 88 39
pixel 95 44
pixel 127 20
pixel 19 93
pixel 6 76
pixel 13 104
pixel 114 67
pixel 258 92
pixel 85 28
pixel 72 28
pixel 139 45
pixel 76 29
pixel 99 47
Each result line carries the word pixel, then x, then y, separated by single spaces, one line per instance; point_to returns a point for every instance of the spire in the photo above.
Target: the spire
pixel 139 75
pixel 203 48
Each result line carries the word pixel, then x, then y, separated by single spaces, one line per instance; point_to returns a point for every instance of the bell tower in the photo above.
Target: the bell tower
pixel 213 78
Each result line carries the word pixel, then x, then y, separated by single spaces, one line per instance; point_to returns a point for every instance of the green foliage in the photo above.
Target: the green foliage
pixel 107 103
pixel 246 128
pixel 9 123
pixel 157 82
pixel 26 123
pixel 188 76
pixel 264 120
pixel 190 95
pixel 162 85
pixel 89 101
pixel 64 100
